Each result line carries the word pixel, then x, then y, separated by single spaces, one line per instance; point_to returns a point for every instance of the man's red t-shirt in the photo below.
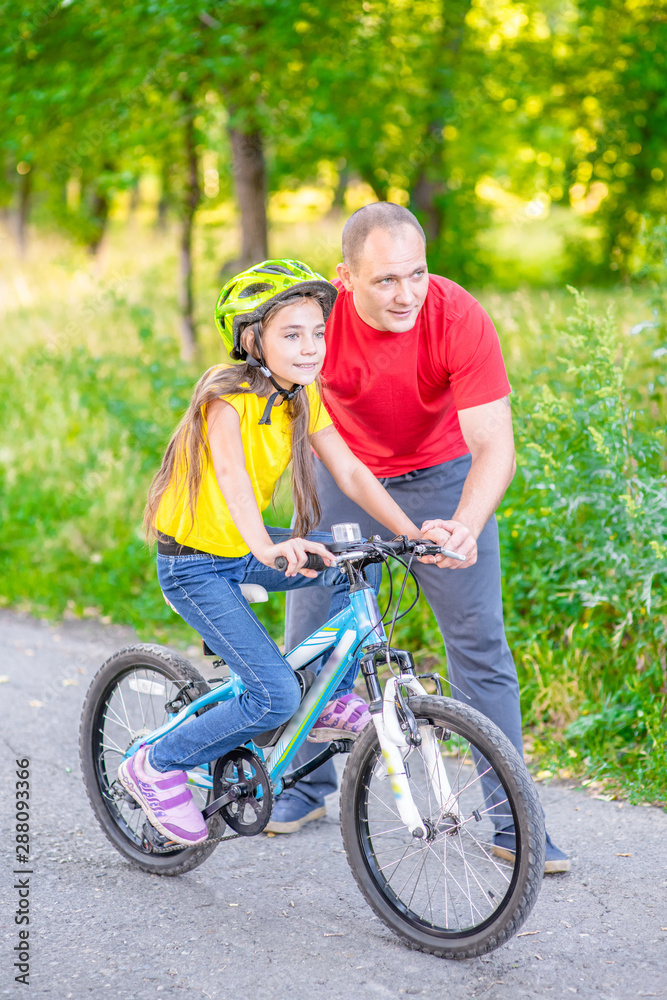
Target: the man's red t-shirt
pixel 394 397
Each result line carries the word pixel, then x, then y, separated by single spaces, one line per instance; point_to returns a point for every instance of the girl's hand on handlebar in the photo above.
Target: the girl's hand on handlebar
pixel 295 550
pixel 455 536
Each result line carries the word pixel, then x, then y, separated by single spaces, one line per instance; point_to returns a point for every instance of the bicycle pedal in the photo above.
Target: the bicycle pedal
pixel 154 838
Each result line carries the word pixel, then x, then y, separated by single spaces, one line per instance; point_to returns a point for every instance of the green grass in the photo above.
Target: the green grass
pixel 92 387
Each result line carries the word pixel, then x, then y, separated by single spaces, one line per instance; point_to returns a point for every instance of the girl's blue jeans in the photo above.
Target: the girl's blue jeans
pixel 205 590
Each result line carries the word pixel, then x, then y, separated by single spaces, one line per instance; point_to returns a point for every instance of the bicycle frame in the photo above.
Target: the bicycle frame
pixel 355 625
pixel 353 629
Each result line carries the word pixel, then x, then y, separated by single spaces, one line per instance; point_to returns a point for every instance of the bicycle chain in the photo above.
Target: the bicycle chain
pixel 216 840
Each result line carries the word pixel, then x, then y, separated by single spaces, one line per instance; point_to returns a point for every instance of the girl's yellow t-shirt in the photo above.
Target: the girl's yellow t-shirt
pixel 267 455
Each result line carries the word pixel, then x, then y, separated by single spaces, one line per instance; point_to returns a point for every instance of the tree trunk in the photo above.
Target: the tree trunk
pixel 161 216
pixel 135 201
pixel 428 191
pixel 23 212
pixel 380 188
pixel 100 213
pixel 190 201
pixel 99 210
pixel 163 203
pixel 338 203
pixel 250 183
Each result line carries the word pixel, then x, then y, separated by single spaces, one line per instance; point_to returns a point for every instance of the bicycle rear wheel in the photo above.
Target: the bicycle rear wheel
pixel 447 893
pixel 126 700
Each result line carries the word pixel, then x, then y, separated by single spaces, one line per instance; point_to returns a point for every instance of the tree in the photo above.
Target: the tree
pixel 392 95
pixel 619 156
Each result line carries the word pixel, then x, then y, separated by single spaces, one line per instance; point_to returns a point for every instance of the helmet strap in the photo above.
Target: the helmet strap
pixel 253 362
pixel 287 394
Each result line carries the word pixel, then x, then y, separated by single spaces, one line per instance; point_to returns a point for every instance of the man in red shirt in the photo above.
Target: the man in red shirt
pixel 415 383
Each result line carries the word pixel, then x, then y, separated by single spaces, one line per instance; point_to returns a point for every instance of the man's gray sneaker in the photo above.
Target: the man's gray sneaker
pixel 291 813
pixel 504 846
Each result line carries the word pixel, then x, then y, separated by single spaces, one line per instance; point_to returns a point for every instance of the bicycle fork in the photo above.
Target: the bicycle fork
pixel 395 739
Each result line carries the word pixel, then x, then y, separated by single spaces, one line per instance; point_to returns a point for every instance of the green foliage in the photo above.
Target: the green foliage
pixel 471 112
pixel 651 274
pixel 73 488
pixel 619 147
pixel 585 555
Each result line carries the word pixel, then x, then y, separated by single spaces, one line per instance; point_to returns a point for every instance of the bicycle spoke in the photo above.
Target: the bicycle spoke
pixel 441 869
pixel 115 746
pixel 119 691
pixel 395 829
pixel 117 721
pixel 466 894
pixel 419 862
pixel 428 890
pixel 392 809
pixel 450 880
pixel 474 872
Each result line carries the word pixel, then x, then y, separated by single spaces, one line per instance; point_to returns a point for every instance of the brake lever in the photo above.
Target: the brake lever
pixel 423 550
pixel 453 555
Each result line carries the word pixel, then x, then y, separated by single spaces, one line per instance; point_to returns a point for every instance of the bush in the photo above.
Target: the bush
pixel 585 553
pixel 82 438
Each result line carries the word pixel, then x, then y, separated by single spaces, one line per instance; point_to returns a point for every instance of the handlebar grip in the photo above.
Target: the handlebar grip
pixel 312 562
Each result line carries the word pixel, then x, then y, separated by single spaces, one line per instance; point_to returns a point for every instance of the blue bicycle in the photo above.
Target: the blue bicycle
pixel 425 786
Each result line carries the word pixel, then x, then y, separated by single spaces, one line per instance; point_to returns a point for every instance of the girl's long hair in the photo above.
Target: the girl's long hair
pixel 187 454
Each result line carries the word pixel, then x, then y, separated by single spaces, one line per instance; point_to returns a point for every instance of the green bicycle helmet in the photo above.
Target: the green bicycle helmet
pixel 246 298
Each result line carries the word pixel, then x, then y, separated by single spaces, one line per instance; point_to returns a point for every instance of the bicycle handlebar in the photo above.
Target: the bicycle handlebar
pixel 397 546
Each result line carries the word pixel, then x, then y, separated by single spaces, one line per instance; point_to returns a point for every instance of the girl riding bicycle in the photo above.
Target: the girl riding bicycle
pixel 243 426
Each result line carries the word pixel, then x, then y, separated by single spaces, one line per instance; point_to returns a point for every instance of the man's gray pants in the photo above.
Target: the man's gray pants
pixel 467 605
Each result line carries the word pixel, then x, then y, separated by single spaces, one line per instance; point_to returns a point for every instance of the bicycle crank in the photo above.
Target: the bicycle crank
pixel 242 782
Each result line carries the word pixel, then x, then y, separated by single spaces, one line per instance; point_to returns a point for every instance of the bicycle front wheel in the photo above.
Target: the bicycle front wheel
pixel 446 893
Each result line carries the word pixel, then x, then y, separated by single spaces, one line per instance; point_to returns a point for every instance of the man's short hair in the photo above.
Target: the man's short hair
pixel 379 215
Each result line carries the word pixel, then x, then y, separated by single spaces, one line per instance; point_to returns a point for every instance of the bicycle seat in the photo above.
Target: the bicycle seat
pixel 254 593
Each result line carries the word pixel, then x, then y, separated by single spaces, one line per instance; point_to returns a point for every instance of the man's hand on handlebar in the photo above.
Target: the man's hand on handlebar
pixel 295 551
pixel 454 536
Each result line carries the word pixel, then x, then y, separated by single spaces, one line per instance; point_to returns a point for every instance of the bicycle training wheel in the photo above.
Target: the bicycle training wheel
pixel 126 700
pixel 446 893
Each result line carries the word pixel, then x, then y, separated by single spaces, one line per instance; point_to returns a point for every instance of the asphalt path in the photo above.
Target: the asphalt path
pixel 267 918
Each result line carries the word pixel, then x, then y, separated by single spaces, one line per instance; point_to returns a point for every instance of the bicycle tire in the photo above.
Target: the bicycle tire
pixel 138 680
pixel 422 892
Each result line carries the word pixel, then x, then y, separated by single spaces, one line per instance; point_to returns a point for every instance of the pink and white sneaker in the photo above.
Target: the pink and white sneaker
pixel 345 717
pixel 165 799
